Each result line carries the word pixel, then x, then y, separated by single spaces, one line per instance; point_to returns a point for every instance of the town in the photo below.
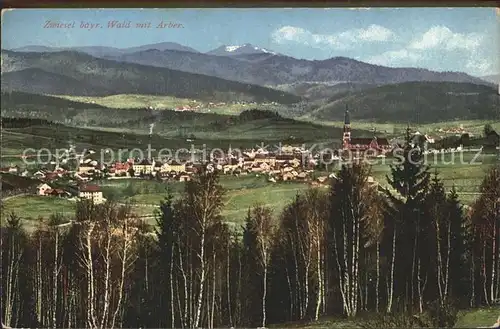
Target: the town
pixel 288 163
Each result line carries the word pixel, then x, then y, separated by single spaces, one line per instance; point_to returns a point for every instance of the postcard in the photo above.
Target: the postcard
pixel 250 167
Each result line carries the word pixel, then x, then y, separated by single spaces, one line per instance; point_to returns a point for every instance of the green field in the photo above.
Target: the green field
pixel 246 191
pixel 473 126
pixel 145 196
pixel 473 318
pixel 131 101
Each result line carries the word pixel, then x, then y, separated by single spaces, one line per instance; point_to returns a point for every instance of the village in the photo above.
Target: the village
pixel 288 163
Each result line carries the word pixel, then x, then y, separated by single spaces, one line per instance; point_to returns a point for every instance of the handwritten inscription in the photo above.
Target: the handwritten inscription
pixel 112 24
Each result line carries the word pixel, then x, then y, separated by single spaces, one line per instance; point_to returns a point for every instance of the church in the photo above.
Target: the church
pixel 376 145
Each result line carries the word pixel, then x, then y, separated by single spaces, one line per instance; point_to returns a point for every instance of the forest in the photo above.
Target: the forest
pixel 351 249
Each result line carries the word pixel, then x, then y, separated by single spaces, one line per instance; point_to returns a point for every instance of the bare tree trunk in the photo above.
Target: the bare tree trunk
pixel 377 279
pixel 171 274
pixel 447 268
pixel 391 281
pixel 107 274
pixel 493 265
pixel 124 260
pixel 54 279
pixel 472 280
pixel 485 277
pixel 228 283
pixel 201 256
pixel 439 270
pixel 320 279
pixel 342 285
pixel 213 289
pixel 264 296
pixel 186 295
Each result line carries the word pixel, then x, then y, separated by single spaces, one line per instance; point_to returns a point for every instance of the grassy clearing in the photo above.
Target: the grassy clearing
pixel 131 101
pixel 474 126
pixel 483 317
pixel 473 318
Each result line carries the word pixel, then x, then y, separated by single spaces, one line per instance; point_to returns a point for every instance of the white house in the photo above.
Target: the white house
pixel 91 192
pixel 41 189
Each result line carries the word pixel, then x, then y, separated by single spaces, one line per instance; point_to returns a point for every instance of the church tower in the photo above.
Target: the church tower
pixel 346 138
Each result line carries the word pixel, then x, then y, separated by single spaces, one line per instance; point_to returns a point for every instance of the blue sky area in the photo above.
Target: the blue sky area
pixel 443 39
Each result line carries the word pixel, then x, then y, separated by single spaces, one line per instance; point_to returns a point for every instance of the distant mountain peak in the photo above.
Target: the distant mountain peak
pixel 244 49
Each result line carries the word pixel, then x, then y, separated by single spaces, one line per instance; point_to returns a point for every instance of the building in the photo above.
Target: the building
pixel 91 192
pixel 143 167
pixel 375 145
pixel 43 189
pixel 177 166
pixel 85 168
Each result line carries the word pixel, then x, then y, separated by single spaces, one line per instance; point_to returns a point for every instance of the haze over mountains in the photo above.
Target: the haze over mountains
pixel 250 73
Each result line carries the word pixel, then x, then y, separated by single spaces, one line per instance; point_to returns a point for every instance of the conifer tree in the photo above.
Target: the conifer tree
pixel 409 178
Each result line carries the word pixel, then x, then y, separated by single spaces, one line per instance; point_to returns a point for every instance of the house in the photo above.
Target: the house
pixel 60 193
pixel 177 166
pixel 121 168
pixel 265 158
pixel 287 176
pixel 43 189
pixel 157 167
pixel 10 170
pixel 82 177
pixel 322 179
pixel 51 176
pixel 492 139
pixel 286 158
pixel 302 176
pixel 91 192
pixel 85 168
pixel 143 167
pixel 184 178
pixel 39 174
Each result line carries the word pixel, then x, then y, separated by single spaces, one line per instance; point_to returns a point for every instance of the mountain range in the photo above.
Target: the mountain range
pixel 255 65
pixel 245 49
pixel 421 102
pixel 320 89
pixel 80 74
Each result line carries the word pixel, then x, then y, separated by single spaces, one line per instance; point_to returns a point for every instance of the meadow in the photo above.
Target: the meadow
pixel 468 318
pixel 475 127
pixel 145 196
pixel 246 191
pixel 133 101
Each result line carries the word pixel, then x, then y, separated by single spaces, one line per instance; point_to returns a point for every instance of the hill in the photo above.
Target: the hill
pixel 107 51
pixel 318 91
pixel 251 125
pixel 417 102
pixel 121 78
pixel 495 78
pixel 269 69
pixel 263 67
pixel 38 81
pixel 11 182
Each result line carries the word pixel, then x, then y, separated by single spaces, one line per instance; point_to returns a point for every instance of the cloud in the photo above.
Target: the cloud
pixel 396 57
pixel 443 38
pixel 438 44
pixel 343 40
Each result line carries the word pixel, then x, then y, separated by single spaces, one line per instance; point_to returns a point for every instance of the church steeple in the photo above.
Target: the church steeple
pixel 346 138
pixel 347 117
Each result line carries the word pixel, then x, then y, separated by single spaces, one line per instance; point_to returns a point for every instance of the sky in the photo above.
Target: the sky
pixel 442 39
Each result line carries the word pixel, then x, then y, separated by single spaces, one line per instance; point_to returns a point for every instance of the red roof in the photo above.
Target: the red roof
pixel 121 166
pixel 90 188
